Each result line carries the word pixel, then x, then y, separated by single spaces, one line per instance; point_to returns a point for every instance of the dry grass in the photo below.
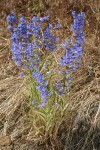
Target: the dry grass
pixel 85 100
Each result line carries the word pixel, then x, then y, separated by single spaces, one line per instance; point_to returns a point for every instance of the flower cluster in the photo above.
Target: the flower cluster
pixel 27 40
pixel 30 38
pixel 11 18
pixel 49 39
pixel 60 88
pixel 73 55
pixel 27 37
pixel 42 87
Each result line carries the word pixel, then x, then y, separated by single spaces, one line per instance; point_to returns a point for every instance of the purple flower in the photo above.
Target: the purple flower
pixel 21 74
pixel 73 54
pixel 33 102
pixel 22 27
pixel 57 26
pixel 49 39
pixel 46 18
pixel 41 86
pixel 12 18
pixel 43 104
pixel 67 86
pixel 60 88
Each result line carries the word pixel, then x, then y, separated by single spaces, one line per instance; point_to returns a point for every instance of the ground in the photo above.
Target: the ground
pixel 81 130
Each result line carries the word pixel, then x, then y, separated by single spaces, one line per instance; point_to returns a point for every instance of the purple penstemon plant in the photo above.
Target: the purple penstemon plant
pixel 27 40
pixel 73 54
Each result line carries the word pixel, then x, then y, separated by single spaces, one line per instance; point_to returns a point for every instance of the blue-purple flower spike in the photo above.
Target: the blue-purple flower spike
pixel 73 55
pixel 42 87
pixel 11 18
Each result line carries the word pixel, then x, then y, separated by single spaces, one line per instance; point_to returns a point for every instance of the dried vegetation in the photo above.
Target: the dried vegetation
pixel 81 131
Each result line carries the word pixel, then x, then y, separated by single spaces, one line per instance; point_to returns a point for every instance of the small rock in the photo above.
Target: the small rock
pixel 5 140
